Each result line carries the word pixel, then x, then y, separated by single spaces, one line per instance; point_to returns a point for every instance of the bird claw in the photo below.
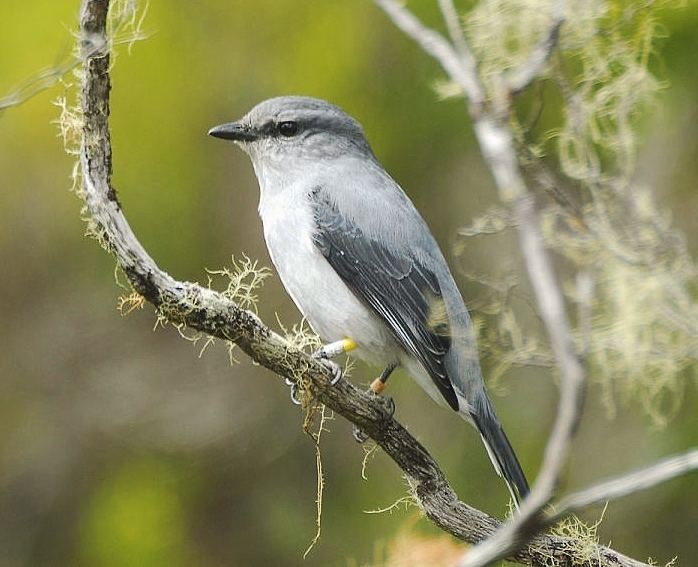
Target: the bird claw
pixel 321 356
pixel 359 435
pixel 387 405
pixel 294 391
pixel 294 395
pixel 332 366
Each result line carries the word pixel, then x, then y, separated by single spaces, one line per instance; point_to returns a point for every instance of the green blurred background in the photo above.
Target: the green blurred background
pixel 119 445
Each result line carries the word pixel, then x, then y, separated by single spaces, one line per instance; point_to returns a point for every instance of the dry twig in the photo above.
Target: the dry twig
pixel 214 314
pixel 496 140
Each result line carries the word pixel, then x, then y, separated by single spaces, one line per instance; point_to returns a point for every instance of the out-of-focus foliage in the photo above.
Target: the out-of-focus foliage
pixel 121 445
pixel 409 548
pixel 136 518
pixel 643 341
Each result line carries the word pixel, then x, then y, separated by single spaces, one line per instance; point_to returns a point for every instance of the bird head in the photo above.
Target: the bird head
pixel 292 129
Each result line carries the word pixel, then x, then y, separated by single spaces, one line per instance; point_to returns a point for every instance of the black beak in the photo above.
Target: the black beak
pixel 233 131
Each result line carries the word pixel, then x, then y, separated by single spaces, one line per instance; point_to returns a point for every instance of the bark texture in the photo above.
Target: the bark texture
pixel 210 312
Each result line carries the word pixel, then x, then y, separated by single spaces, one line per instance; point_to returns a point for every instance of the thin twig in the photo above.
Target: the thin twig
pixel 522 77
pixel 210 312
pixel 625 484
pixel 496 142
pixel 514 533
pixel 455 30
pixel 462 72
pixel 47 78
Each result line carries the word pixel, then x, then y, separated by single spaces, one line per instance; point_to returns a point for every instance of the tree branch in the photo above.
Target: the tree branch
pixel 461 70
pixel 625 484
pixel 496 141
pixel 520 79
pixel 208 311
pixel 50 76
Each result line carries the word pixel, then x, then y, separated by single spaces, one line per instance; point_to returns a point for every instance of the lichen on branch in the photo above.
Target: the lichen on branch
pixel 217 315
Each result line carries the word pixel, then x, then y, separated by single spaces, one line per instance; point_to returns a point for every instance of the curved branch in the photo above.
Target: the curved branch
pixel 208 311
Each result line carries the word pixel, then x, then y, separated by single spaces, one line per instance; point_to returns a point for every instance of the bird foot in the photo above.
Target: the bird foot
pixel 359 435
pixel 386 403
pixel 321 356
pixel 294 391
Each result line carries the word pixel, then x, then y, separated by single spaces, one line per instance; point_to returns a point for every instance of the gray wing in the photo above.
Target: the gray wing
pixel 401 290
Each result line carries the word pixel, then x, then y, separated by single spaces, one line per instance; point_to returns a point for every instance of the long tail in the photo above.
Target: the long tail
pixel 498 448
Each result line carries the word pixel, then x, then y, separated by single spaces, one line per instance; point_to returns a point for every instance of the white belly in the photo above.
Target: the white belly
pixel 329 306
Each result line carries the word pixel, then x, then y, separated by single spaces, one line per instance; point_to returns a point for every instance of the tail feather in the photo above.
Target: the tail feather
pixel 499 449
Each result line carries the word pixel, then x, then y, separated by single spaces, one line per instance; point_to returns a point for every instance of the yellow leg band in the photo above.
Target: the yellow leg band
pixel 348 345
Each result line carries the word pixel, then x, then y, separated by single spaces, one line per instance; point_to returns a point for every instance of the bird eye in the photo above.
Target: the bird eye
pixel 288 128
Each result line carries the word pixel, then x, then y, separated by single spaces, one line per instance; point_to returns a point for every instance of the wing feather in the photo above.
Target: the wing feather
pixel 395 285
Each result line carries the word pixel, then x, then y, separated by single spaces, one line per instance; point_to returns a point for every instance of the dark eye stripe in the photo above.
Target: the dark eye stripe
pixel 288 128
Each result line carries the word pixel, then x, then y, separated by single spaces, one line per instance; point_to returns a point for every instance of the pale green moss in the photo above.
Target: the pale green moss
pixel 244 277
pixel 585 538
pixel 317 416
pixel 643 332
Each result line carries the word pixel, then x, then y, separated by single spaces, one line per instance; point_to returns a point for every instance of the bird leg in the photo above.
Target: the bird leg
pixel 331 350
pixel 377 386
pixel 325 353
pixel 323 356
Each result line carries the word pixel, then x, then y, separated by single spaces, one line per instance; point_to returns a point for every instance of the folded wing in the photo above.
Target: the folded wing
pixel 400 289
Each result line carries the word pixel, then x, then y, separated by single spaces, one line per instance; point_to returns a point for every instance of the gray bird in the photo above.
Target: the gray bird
pixel 359 261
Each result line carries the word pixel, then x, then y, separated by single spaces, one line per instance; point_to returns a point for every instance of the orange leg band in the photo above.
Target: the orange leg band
pixel 377 386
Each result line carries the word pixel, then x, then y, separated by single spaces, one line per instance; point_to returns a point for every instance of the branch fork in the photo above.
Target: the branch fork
pixel 210 312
